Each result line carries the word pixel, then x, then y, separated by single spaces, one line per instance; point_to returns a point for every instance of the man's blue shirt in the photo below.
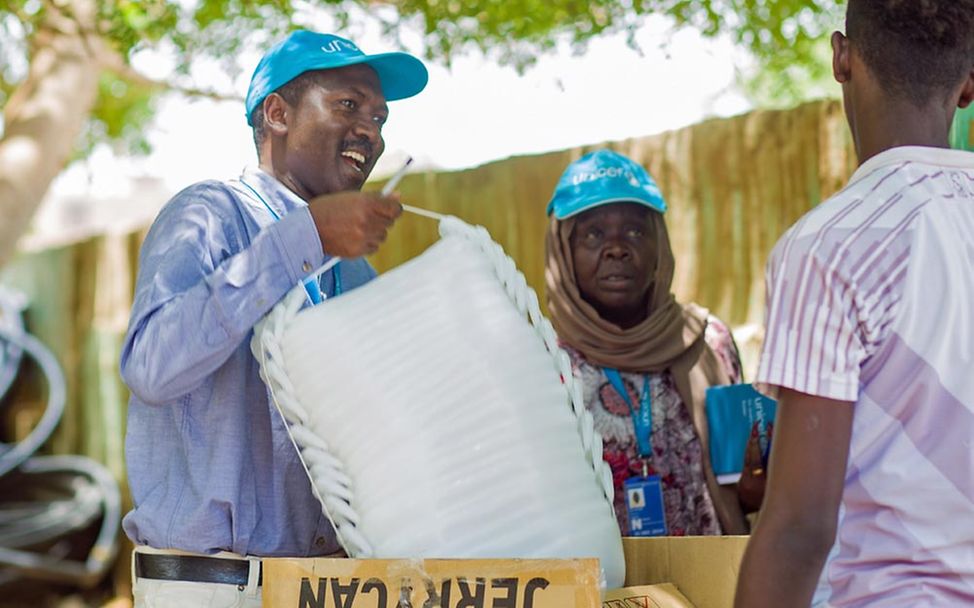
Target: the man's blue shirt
pixel 210 464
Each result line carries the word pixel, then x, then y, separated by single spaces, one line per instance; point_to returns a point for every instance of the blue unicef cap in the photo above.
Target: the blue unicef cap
pixel 400 74
pixel 600 178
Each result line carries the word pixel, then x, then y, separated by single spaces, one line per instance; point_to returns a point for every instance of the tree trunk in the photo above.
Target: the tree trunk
pixel 45 114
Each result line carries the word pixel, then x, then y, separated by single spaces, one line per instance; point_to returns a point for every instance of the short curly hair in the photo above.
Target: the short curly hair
pixel 917 49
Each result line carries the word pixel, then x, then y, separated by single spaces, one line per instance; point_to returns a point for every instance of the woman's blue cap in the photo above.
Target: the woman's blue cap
pixel 600 178
pixel 400 74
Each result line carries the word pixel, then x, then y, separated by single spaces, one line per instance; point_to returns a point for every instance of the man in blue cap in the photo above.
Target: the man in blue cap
pixel 215 479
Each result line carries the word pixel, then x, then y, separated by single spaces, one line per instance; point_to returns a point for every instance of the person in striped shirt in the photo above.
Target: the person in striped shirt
pixel 870 339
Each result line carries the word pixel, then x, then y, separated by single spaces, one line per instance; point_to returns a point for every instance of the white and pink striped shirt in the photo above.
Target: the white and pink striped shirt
pixel 871 300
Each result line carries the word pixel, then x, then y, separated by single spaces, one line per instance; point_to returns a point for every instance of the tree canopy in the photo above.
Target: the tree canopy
pixel 67 81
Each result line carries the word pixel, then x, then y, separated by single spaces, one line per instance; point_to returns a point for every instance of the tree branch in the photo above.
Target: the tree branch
pixel 116 64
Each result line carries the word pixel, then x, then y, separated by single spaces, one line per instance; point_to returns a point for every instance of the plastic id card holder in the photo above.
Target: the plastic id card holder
pixel 644 504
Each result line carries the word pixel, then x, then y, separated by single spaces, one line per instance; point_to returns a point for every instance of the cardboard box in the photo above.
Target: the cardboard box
pixel 646 596
pixel 703 569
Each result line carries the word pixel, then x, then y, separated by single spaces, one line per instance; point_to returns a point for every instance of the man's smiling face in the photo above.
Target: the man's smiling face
pixel 334 132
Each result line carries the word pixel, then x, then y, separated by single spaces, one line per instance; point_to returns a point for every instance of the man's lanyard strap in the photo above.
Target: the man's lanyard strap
pixel 311 284
pixel 642 421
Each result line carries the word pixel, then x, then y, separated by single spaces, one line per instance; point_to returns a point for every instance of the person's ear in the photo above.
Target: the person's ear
pixel 276 114
pixel 841 62
pixel 967 91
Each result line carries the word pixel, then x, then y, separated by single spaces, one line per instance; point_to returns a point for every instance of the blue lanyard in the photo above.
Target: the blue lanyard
pixel 642 421
pixel 311 283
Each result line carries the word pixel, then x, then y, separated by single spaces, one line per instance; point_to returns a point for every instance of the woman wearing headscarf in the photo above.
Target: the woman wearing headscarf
pixel 644 360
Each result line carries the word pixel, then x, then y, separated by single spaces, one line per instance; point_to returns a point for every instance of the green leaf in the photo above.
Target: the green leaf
pixel 122 114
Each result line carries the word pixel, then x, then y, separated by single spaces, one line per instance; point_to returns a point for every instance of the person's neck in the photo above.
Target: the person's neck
pixel 624 319
pixel 267 165
pixel 888 124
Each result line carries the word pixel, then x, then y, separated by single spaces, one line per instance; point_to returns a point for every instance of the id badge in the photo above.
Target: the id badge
pixel 644 504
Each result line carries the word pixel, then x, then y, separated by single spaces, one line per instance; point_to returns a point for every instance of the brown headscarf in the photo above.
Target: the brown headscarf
pixel 671 338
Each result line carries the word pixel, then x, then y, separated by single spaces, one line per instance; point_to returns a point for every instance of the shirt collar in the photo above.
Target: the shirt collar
pixel 275 194
pixel 921 154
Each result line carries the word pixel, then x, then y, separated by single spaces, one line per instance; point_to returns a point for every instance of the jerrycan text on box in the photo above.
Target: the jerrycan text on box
pixel 430 583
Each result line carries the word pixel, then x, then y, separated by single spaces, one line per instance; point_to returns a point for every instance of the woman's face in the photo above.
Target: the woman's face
pixel 614 250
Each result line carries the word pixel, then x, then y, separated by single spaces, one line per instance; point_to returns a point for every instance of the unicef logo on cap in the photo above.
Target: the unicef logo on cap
pixel 604 173
pixel 338 45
